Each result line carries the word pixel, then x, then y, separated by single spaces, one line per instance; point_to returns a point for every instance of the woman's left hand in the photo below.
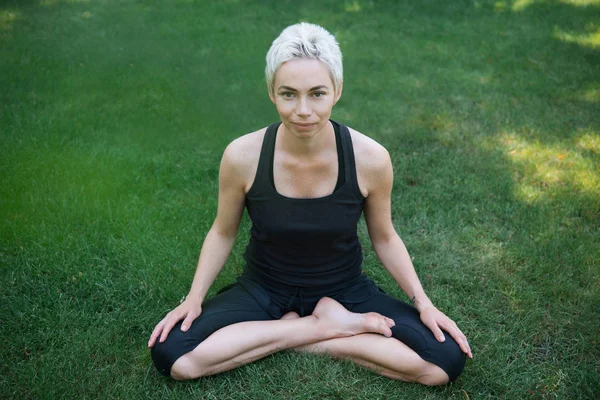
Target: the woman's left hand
pixel 436 320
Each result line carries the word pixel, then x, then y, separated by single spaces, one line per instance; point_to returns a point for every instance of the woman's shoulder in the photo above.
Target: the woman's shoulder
pixel 368 153
pixel 373 164
pixel 246 147
pixel 241 156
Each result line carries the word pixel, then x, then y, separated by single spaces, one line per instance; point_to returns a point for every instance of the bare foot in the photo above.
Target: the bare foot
pixel 346 323
pixel 291 315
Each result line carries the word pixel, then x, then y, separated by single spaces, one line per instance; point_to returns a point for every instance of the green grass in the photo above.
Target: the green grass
pixel 113 118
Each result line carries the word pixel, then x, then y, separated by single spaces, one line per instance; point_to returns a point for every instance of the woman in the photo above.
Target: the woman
pixel 305 182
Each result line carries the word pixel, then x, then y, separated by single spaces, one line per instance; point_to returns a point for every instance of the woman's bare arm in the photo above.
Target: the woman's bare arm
pixel 233 177
pixel 376 178
pixel 221 236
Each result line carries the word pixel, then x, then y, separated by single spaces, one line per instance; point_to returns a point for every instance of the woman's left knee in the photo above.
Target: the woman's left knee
pixel 455 363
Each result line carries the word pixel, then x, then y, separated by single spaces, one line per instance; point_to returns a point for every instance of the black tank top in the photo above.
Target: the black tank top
pixel 304 242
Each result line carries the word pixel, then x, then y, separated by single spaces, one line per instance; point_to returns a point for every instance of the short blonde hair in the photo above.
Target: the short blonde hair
pixel 305 40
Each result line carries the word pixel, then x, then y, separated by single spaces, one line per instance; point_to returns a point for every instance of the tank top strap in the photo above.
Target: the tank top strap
pixel 349 161
pixel 265 161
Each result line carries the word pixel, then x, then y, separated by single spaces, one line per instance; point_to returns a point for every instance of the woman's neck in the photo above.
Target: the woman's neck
pixel 322 141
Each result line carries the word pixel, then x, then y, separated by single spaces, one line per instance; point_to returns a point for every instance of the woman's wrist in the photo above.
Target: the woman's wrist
pixel 195 297
pixel 421 302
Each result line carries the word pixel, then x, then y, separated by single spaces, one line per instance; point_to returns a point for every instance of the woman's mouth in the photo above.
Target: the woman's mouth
pixel 304 126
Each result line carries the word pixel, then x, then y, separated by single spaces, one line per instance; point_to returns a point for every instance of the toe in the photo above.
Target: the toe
pixel 387 332
pixel 290 315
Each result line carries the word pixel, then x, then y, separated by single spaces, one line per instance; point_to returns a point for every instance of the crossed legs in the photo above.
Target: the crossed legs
pixel 244 342
pixel 331 329
pixel 225 342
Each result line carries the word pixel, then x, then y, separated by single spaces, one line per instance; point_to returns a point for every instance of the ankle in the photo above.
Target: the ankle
pixel 325 328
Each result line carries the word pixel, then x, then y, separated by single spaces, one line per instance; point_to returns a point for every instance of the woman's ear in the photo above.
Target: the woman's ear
pixel 338 93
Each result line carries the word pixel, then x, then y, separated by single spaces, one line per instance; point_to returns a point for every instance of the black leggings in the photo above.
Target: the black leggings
pixel 247 300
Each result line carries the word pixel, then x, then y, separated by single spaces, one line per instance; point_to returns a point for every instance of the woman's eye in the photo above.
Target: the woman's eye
pixel 287 95
pixel 319 94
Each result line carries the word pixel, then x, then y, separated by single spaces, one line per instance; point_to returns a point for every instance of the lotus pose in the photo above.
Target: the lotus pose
pixel 305 182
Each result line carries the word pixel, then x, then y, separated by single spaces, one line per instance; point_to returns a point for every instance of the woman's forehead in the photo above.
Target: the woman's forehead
pixel 303 74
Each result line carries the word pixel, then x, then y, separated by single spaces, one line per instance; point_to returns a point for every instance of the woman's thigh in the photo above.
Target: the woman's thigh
pixel 236 304
pixel 411 331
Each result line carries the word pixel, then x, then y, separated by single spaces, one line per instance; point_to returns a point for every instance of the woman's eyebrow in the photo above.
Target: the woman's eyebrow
pixel 310 90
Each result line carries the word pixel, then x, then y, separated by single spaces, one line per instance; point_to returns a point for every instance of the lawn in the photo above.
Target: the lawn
pixel 113 119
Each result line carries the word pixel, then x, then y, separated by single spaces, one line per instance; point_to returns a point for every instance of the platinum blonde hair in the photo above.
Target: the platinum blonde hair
pixel 305 40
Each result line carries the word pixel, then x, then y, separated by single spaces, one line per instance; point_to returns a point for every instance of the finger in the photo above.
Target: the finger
pixel 191 316
pixel 437 332
pixel 435 329
pixel 157 329
pixel 464 346
pixel 390 322
pixel 187 322
pixel 460 339
pixel 467 347
pixel 168 326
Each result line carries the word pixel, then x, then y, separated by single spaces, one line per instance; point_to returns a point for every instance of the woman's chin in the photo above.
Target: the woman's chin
pixel 307 131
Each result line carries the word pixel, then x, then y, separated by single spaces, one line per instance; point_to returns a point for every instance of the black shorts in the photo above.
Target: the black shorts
pixel 249 300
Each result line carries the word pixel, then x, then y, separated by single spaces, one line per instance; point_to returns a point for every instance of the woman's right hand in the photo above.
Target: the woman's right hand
pixel 189 310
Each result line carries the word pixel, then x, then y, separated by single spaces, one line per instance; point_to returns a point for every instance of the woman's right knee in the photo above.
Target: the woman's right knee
pixel 166 354
pixel 161 357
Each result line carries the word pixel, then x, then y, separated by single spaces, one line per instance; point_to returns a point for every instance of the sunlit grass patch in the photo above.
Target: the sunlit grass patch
pixel 590 142
pixel 352 6
pixel 521 5
pixel 591 95
pixel 8 18
pixel 544 169
pixel 47 3
pixel 581 3
pixel 591 39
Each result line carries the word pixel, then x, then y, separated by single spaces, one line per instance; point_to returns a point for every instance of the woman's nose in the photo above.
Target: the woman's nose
pixel 303 108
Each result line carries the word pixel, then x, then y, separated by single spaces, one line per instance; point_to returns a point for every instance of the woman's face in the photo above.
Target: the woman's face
pixel 304 96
